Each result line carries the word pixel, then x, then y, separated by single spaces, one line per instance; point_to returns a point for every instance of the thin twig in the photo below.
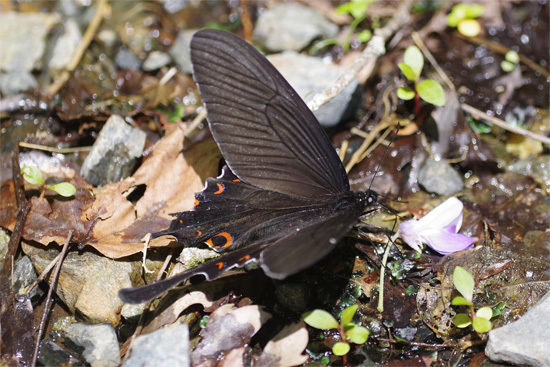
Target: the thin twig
pixel 49 297
pixel 43 274
pixel 195 123
pixel 375 48
pixel 46 148
pixel 81 48
pixel 503 125
pixel 416 38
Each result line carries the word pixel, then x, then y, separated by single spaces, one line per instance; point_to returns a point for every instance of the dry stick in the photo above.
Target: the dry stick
pixel 416 38
pixel 375 48
pixel 86 39
pixel 46 148
pixel 503 125
pixel 49 296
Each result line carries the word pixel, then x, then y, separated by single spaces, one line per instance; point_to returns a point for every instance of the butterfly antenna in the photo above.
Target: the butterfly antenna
pixel 385 153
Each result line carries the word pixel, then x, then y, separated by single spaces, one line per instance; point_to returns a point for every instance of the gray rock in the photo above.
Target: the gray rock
pixel 156 60
pixel 65 45
pixel 24 275
pixel 308 76
pixel 291 26
pixel 180 51
pixel 537 167
pixel 88 283
pixel 99 342
pixel 440 178
pixel 114 153
pixel 523 342
pixel 126 60
pixel 16 81
pixel 168 346
pixel 23 39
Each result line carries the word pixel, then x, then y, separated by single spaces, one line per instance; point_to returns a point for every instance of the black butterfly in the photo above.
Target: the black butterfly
pixel 285 200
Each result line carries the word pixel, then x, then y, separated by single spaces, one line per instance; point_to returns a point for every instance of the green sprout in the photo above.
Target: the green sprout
pixel 358 10
pixel 510 62
pixel 462 16
pixel 428 89
pixel 34 176
pixel 480 319
pixel 349 332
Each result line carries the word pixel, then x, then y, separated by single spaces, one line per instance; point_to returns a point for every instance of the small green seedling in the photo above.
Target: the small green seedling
pixel 480 319
pixel 358 10
pixel 349 332
pixel 34 176
pixel 510 62
pixel 462 16
pixel 429 90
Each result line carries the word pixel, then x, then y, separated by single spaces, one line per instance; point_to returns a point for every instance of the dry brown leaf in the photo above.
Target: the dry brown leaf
pixel 104 218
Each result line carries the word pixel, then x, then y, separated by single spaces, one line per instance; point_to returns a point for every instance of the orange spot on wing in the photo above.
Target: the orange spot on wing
pixel 237 180
pixel 199 233
pixel 197 202
pixel 220 265
pixel 228 240
pixel 245 258
pixel 220 189
pixel 181 221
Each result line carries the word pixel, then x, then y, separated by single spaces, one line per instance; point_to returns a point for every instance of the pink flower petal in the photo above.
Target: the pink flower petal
pixel 446 242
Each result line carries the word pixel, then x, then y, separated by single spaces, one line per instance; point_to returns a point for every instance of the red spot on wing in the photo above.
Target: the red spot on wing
pixel 226 236
pixel 220 189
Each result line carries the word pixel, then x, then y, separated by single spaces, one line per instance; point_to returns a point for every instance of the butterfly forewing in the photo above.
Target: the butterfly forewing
pixel 266 133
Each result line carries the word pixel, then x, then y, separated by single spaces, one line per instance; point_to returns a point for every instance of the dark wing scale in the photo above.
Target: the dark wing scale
pixel 307 245
pixel 231 213
pixel 265 131
pixel 211 269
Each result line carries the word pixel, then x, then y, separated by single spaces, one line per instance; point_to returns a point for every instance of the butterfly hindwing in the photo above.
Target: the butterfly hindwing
pixel 267 134
pixel 304 247
pixel 211 269
pixel 230 213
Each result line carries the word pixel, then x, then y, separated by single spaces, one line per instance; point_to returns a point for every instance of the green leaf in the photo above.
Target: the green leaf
pixel 413 57
pixel 63 188
pixel 469 27
pixel 474 10
pixel 32 175
pixel 461 301
pixel 405 93
pixel 431 91
pixel 408 72
pixel 485 312
pixel 464 282
pixel 348 314
pixel 453 19
pixel 340 348
pixel 357 334
pixel 512 56
pixel 481 324
pixel 364 36
pixel 498 308
pixel 320 319
pixel 461 320
pixel 177 113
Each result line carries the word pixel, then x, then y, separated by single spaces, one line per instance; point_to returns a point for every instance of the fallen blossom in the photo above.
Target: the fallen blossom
pixel 438 229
